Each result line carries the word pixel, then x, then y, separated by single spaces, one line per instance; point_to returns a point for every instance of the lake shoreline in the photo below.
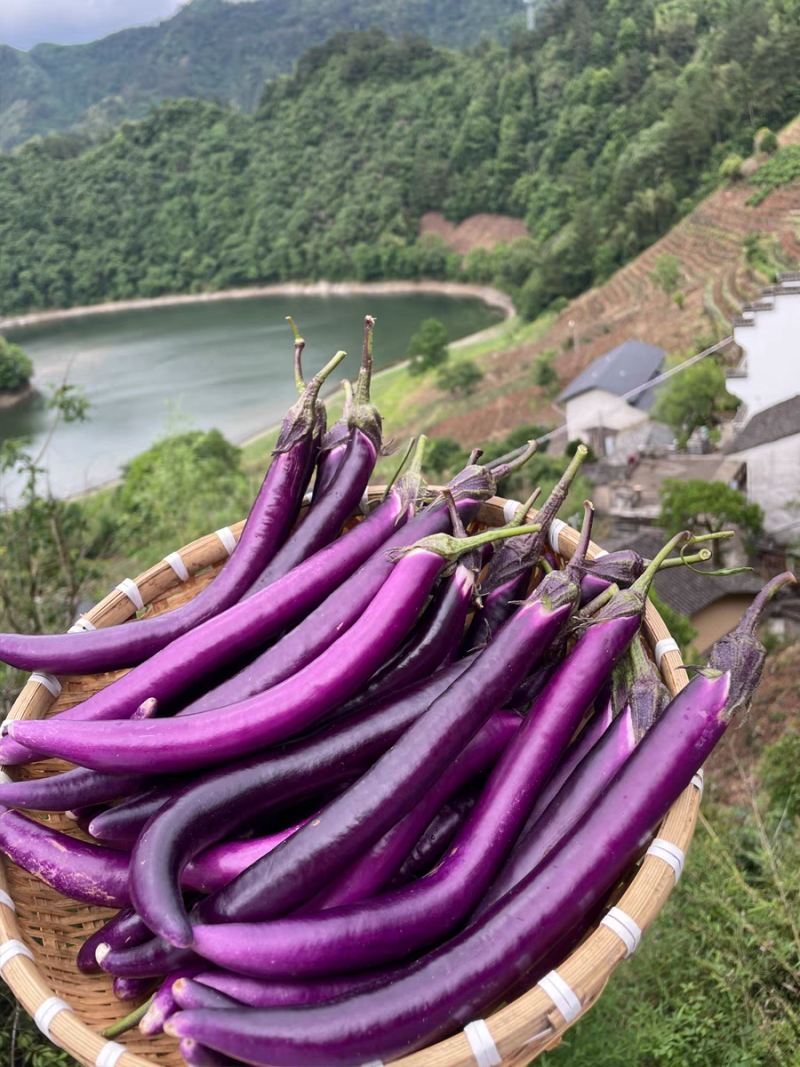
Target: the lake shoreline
pixel 490 296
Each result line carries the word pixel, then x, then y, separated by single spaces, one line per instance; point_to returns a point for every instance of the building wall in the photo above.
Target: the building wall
pixel 719 618
pixel 772 352
pixel 773 481
pixel 599 408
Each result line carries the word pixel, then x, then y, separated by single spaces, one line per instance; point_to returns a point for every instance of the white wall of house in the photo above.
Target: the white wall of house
pixel 772 482
pixel 772 355
pixel 598 408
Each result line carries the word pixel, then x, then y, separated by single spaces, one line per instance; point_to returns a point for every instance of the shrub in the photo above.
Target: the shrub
pixel 444 456
pixel 544 372
pixel 428 347
pixel 730 168
pixel 16 368
pixel 462 379
pixel 780 773
pixel 766 141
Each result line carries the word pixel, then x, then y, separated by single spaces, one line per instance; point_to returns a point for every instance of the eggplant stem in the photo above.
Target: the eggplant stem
pixel 600 601
pixel 515 464
pixel 474 456
pixel 579 556
pixel 686 561
pixel 451 548
pixel 752 616
pixel 364 380
pixel 128 1023
pixel 399 468
pixel 721 535
pixel 299 345
pixel 455 518
pixel 523 509
pixel 645 580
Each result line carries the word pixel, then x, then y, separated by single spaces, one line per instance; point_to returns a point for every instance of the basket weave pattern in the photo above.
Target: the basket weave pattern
pixel 53 927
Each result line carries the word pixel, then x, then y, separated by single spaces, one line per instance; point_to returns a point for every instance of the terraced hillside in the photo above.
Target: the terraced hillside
pixel 716 280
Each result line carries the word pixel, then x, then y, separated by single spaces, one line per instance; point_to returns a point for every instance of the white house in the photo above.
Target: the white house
pixel 767 381
pixel 769 335
pixel 594 406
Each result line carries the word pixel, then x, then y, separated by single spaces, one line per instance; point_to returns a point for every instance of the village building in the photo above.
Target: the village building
pixel 595 405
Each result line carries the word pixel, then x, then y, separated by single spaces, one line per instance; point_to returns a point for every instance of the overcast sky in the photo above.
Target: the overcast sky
pixel 24 23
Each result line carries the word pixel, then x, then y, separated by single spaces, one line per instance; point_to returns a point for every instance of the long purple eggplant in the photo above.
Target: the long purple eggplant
pixel 373 871
pixel 217 866
pixel 124 929
pixel 436 839
pixel 271 518
pixel 196 1055
pixel 471 488
pixel 234 632
pixel 171 745
pixel 647 698
pixel 119 827
pixel 71 790
pixel 164 1004
pixel 333 505
pixel 127 989
pixel 191 994
pixel 259 993
pixel 219 803
pixel 333 447
pixel 291 874
pixel 453 984
pixel 508 574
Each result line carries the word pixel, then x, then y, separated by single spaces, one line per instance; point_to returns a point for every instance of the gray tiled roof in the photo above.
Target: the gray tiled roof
pixel 683 589
pixel 772 424
pixel 625 367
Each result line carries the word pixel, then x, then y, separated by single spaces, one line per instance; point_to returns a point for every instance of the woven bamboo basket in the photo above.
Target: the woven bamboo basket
pixel 41 931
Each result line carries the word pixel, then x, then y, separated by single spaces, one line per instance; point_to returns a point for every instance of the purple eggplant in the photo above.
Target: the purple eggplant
pixel 455 983
pixel 127 989
pixel 123 930
pixel 190 994
pixel 70 791
pixel 259 993
pixel 436 839
pixel 333 447
pixel 472 487
pixel 372 871
pixel 507 577
pixel 164 1003
pixel 170 745
pixel 647 698
pixel 197 1055
pixel 291 874
pixel 217 866
pixel 119 827
pixel 219 803
pixel 270 520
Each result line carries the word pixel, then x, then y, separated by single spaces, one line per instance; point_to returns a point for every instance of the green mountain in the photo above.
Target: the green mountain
pixel 210 49
pixel 601 130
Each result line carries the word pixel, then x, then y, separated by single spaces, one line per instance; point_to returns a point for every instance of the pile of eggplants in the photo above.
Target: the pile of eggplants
pixel 378 775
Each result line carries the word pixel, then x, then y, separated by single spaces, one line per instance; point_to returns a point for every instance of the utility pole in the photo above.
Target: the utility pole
pixel 530 6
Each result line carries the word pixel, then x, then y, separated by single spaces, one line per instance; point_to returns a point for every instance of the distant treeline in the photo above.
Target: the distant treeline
pixel 600 129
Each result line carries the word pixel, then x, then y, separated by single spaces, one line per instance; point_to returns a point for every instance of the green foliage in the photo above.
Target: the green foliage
pixel 427 348
pixel 780 169
pixel 599 140
pixel 667 273
pixel 730 169
pixel 714 981
pixel 444 457
pixel 184 483
pixel 544 373
pixel 16 368
pixel 461 379
pixel 766 141
pixel 695 397
pixel 780 773
pixel 710 506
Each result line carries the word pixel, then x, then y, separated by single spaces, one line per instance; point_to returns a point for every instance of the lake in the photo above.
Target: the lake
pixel 226 364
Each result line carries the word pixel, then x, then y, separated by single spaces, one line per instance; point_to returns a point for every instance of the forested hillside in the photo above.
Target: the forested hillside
pixel 209 49
pixel 601 130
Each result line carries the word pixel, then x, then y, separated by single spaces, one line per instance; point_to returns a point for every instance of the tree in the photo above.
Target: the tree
pixel 710 506
pixel 667 273
pixel 15 367
pixel 444 456
pixel 544 373
pixel 695 397
pixel 428 347
pixel 461 379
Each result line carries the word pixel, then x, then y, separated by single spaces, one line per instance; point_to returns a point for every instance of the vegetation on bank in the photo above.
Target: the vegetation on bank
pixel 16 369
pixel 601 129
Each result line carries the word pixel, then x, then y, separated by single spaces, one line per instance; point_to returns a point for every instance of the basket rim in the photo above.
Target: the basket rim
pixel 515 1034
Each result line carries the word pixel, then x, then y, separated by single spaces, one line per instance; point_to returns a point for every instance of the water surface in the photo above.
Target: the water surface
pixel 225 364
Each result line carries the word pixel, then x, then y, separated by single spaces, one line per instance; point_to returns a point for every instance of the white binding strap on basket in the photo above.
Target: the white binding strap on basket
pixel 47 1011
pixel 666 644
pixel 627 929
pixel 564 998
pixel 5 779
pixel 510 509
pixel 81 626
pixel 6 899
pixel 363 503
pixel 131 590
pixel 174 560
pixel 110 1054
pixel 670 854
pixel 373 1063
pixel 556 526
pixel 228 540
pixel 306 499
pixel 482 1044
pixel 699 781
pixel 10 949
pixel 600 553
pixel 49 681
